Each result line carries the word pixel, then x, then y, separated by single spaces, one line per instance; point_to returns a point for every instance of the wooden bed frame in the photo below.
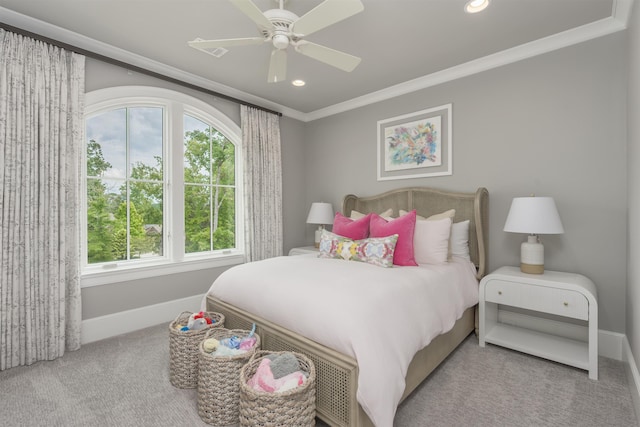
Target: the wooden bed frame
pixel 337 374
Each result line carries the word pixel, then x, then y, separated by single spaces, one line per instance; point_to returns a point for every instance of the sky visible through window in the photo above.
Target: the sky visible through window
pixel 145 142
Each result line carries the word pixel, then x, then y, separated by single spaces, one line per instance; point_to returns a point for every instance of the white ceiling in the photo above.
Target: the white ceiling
pixel 404 44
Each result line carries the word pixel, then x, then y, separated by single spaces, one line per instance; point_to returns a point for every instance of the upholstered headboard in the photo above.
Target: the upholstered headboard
pixel 427 202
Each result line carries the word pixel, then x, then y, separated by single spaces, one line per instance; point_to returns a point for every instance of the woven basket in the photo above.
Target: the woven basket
pixel 183 349
pixel 295 407
pixel 219 380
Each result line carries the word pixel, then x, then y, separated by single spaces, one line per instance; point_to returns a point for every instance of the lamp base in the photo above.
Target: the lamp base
pixel 318 236
pixel 532 256
pixel 532 268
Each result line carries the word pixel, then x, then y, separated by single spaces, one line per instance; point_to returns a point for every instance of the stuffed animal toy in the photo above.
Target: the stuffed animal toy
pixel 198 321
pixel 210 344
pixel 197 324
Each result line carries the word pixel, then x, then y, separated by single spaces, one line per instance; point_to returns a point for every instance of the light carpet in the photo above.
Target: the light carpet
pixel 124 381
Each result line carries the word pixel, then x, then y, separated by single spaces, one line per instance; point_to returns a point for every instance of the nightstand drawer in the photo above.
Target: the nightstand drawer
pixel 561 302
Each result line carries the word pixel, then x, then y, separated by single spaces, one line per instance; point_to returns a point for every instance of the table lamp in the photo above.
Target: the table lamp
pixel 320 213
pixel 533 215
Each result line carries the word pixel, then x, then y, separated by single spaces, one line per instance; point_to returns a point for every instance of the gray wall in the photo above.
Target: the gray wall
pixel 633 255
pixel 100 75
pixel 113 298
pixel 553 125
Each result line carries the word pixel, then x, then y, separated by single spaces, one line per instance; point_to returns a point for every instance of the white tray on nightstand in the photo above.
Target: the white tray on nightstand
pixel 304 250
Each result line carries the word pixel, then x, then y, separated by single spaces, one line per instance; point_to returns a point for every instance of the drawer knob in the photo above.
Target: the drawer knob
pixel 499 292
pixel 566 304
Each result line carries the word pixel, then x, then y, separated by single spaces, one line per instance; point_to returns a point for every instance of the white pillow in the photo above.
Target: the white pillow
pixel 446 214
pixel 431 241
pixel 357 215
pixel 460 240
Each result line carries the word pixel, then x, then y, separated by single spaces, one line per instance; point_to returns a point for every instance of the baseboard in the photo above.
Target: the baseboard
pixel 110 325
pixel 611 344
pixel 634 377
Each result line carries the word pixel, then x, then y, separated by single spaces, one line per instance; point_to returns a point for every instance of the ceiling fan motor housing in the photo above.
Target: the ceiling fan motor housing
pixel 282 20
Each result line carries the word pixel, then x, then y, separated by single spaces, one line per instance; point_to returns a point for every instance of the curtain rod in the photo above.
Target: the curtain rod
pixel 128 66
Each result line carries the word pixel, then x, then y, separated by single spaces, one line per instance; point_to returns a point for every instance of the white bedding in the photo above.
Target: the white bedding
pixel 379 316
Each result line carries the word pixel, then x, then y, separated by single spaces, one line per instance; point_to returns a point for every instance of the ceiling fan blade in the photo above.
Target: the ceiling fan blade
pixel 335 58
pixel 251 10
pixel 212 44
pixel 326 13
pixel 277 66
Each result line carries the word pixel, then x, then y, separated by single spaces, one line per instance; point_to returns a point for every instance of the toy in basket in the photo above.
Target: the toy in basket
pixel 183 345
pixel 267 401
pixel 223 353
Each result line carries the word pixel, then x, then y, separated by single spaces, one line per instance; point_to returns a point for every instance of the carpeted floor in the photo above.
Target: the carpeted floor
pixel 493 386
pixel 123 381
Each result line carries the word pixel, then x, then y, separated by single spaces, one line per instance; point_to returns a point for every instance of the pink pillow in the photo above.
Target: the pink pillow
pixel 404 227
pixel 353 229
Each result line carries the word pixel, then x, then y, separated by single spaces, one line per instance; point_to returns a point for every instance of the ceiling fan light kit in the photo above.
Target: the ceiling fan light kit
pixel 283 28
pixel 280 41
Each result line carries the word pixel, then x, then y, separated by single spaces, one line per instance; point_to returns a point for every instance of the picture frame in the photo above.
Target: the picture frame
pixel 416 145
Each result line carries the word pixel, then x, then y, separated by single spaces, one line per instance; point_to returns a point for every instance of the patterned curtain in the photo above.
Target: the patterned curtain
pixel 41 132
pixel 262 183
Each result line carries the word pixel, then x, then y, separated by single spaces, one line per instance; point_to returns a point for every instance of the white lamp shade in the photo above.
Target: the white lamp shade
pixel 533 215
pixel 320 213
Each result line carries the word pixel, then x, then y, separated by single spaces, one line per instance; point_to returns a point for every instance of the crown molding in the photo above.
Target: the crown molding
pixel 46 29
pixel 618 21
pixel 621 11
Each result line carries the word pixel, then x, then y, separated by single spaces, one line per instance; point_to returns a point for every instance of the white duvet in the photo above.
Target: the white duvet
pixel 379 316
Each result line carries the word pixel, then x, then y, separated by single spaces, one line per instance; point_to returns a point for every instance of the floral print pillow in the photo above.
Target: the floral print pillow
pixel 375 250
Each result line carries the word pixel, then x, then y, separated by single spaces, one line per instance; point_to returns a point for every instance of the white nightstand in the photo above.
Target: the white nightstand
pixel 304 250
pixel 561 294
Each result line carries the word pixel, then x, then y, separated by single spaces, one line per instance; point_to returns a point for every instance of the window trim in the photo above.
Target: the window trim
pixel 174 260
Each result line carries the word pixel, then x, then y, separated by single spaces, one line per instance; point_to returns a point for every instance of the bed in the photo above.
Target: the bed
pixel 337 372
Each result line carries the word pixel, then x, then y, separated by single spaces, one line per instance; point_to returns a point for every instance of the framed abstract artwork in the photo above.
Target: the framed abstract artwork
pixel 415 145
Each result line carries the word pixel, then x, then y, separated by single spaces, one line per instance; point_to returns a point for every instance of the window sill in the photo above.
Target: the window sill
pixel 125 273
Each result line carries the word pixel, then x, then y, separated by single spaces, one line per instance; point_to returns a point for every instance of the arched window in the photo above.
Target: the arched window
pixel 163 185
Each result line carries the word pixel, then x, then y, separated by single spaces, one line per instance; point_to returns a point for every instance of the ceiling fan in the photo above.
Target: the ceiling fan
pixel 284 28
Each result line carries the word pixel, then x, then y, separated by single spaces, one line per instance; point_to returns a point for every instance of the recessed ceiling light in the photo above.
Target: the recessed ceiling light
pixel 475 6
pixel 298 82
